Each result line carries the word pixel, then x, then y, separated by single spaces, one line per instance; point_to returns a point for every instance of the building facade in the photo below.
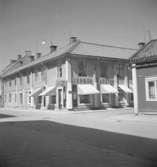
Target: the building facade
pixel 144 67
pixel 79 75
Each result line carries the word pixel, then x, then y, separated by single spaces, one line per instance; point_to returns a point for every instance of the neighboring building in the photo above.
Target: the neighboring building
pixel 144 67
pixel 80 75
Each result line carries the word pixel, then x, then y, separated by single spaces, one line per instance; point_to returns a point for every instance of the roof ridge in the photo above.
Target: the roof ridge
pixel 119 47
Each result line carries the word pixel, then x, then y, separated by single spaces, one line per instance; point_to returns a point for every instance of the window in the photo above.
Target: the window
pixel 15 82
pixel 9 83
pixel 10 97
pixel 53 99
pixel 151 89
pixel 28 79
pixel 59 71
pixel 104 68
pixel 21 80
pixel 21 98
pixel 43 75
pixel 105 98
pixel 85 99
pixel 36 76
pixel 15 97
pixel 82 67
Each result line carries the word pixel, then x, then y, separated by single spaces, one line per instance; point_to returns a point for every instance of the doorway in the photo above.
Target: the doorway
pixel 60 98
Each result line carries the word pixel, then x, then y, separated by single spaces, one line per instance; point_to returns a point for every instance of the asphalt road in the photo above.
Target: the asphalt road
pixel 48 144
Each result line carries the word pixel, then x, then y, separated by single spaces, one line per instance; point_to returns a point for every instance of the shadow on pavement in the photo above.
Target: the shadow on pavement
pixel 44 143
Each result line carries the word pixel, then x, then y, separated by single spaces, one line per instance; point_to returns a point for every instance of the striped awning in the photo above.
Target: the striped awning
pixel 125 88
pixel 107 89
pixel 49 91
pixel 86 89
pixel 36 92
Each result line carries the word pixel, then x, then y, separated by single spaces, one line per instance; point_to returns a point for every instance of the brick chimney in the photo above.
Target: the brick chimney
pixel 53 48
pixel 12 61
pixel 141 45
pixel 19 56
pixel 38 55
pixel 72 40
pixel 28 53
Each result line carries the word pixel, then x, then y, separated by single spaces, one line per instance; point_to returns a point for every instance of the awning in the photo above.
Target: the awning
pixel 125 88
pixel 36 92
pixel 49 91
pixel 86 89
pixel 107 88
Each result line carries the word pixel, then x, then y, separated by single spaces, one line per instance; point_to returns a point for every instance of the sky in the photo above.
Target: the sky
pixel 24 24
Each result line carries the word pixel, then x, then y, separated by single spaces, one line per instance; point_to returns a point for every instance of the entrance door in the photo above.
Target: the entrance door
pixel 74 90
pixel 59 98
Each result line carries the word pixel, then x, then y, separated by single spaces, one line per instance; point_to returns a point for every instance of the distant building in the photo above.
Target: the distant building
pixel 80 75
pixel 144 67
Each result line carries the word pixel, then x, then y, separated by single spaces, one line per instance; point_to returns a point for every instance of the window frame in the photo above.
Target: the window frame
pixel 83 103
pixel 147 80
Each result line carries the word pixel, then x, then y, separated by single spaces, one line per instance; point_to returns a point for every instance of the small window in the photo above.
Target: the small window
pixel 151 89
pixel 105 98
pixel 84 99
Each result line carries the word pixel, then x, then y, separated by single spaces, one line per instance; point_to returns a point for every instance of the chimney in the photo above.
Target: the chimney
pixel 53 48
pixel 72 40
pixel 141 44
pixel 12 61
pixel 19 56
pixel 27 53
pixel 38 55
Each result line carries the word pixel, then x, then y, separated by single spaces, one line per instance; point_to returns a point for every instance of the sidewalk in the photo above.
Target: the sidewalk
pixel 114 120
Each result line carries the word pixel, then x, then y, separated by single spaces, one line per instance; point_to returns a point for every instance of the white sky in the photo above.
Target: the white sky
pixel 24 24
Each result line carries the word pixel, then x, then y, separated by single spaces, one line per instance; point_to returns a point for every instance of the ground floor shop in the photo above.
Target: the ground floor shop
pixel 72 96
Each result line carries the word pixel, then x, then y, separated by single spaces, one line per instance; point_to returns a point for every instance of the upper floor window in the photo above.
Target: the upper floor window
pixel 9 83
pixel 82 67
pixel 151 88
pixel 59 71
pixel 121 71
pixel 43 75
pixel 20 80
pixel 103 67
pixel 36 76
pixel 28 79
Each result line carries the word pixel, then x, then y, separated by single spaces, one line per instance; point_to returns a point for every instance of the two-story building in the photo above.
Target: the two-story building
pixel 79 75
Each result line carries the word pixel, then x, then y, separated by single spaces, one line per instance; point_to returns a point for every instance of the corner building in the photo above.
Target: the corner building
pixel 79 75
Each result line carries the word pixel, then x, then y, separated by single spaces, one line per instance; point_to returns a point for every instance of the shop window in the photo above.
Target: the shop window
pixel 39 99
pixel 53 99
pixel 105 98
pixel 21 98
pixel 151 89
pixel 85 99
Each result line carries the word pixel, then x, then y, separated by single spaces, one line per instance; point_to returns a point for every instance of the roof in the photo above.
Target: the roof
pixel 139 50
pixel 93 49
pixel 80 48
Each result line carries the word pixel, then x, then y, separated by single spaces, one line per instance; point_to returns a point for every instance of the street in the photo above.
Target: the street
pixel 49 144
